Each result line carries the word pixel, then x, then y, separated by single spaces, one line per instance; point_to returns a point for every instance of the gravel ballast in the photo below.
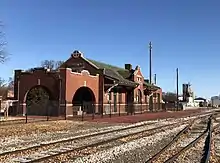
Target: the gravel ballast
pixel 135 151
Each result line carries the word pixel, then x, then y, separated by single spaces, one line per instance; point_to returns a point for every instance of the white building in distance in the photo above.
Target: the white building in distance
pixel 215 101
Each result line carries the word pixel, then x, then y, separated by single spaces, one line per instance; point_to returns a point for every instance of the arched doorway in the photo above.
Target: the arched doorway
pixel 139 96
pixel 85 98
pixel 151 103
pixel 39 102
pixel 138 108
pixel 158 101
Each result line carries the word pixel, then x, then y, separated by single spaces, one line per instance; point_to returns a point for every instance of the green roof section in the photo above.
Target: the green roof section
pixel 119 73
pixel 123 72
pixel 105 65
pixel 115 72
pixel 146 83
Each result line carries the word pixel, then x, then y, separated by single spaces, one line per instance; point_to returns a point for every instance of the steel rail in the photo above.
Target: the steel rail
pixel 190 145
pixel 94 134
pixel 157 155
pixel 143 134
pixel 208 145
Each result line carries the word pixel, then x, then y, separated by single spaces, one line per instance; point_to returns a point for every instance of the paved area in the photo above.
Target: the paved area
pixel 146 116
pixel 124 118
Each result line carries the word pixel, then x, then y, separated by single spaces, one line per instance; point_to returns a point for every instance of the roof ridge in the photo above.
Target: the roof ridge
pixel 106 64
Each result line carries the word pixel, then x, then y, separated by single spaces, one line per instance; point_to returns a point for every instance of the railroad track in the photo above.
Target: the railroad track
pixel 186 140
pixel 43 148
pixel 49 150
pixel 216 141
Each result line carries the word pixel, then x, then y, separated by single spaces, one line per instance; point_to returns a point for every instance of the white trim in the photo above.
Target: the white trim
pixel 135 72
pixel 80 73
pixel 89 62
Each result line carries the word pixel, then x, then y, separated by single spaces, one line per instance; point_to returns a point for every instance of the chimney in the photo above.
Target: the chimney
pixel 128 67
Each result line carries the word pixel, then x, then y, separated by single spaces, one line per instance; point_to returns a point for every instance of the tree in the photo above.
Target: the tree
pixel 37 101
pixel 3 54
pixel 169 96
pixel 51 64
pixel 4 88
pixel 10 83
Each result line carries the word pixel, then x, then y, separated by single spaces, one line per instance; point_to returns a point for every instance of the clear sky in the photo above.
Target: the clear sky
pixel 185 34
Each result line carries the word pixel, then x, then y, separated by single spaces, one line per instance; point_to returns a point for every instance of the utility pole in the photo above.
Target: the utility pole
pixel 150 62
pixel 177 89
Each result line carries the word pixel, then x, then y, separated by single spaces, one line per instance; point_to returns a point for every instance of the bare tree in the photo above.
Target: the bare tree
pixel 10 83
pixel 3 88
pixel 58 64
pixel 51 64
pixel 169 96
pixel 3 54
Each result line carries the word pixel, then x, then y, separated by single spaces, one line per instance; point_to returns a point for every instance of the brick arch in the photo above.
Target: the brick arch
pixel 51 97
pixel 85 89
pixel 84 97
pixel 25 81
pixel 159 101
pixel 139 96
pixel 43 105
pixel 151 103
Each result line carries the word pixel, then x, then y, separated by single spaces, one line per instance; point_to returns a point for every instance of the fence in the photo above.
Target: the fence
pixel 92 110
pixel 52 110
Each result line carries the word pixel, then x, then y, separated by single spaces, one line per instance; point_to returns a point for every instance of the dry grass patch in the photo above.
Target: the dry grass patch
pixel 39 127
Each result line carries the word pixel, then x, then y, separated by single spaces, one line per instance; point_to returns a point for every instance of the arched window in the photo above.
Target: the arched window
pixel 139 96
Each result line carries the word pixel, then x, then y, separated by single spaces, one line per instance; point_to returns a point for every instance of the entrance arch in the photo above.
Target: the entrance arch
pixel 85 98
pixel 39 101
pixel 151 103
pixel 159 101
pixel 139 96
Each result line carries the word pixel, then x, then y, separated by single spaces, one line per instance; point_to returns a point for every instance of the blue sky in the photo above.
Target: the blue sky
pixel 185 34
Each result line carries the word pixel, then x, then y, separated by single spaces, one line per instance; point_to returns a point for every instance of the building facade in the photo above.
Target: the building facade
pixel 88 86
pixel 215 101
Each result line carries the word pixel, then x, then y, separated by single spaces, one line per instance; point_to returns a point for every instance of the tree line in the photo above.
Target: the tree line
pixel 169 97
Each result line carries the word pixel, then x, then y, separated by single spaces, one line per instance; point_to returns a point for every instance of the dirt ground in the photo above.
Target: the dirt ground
pixel 48 126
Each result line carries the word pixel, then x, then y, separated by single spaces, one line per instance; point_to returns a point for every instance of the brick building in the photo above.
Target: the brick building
pixel 94 87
